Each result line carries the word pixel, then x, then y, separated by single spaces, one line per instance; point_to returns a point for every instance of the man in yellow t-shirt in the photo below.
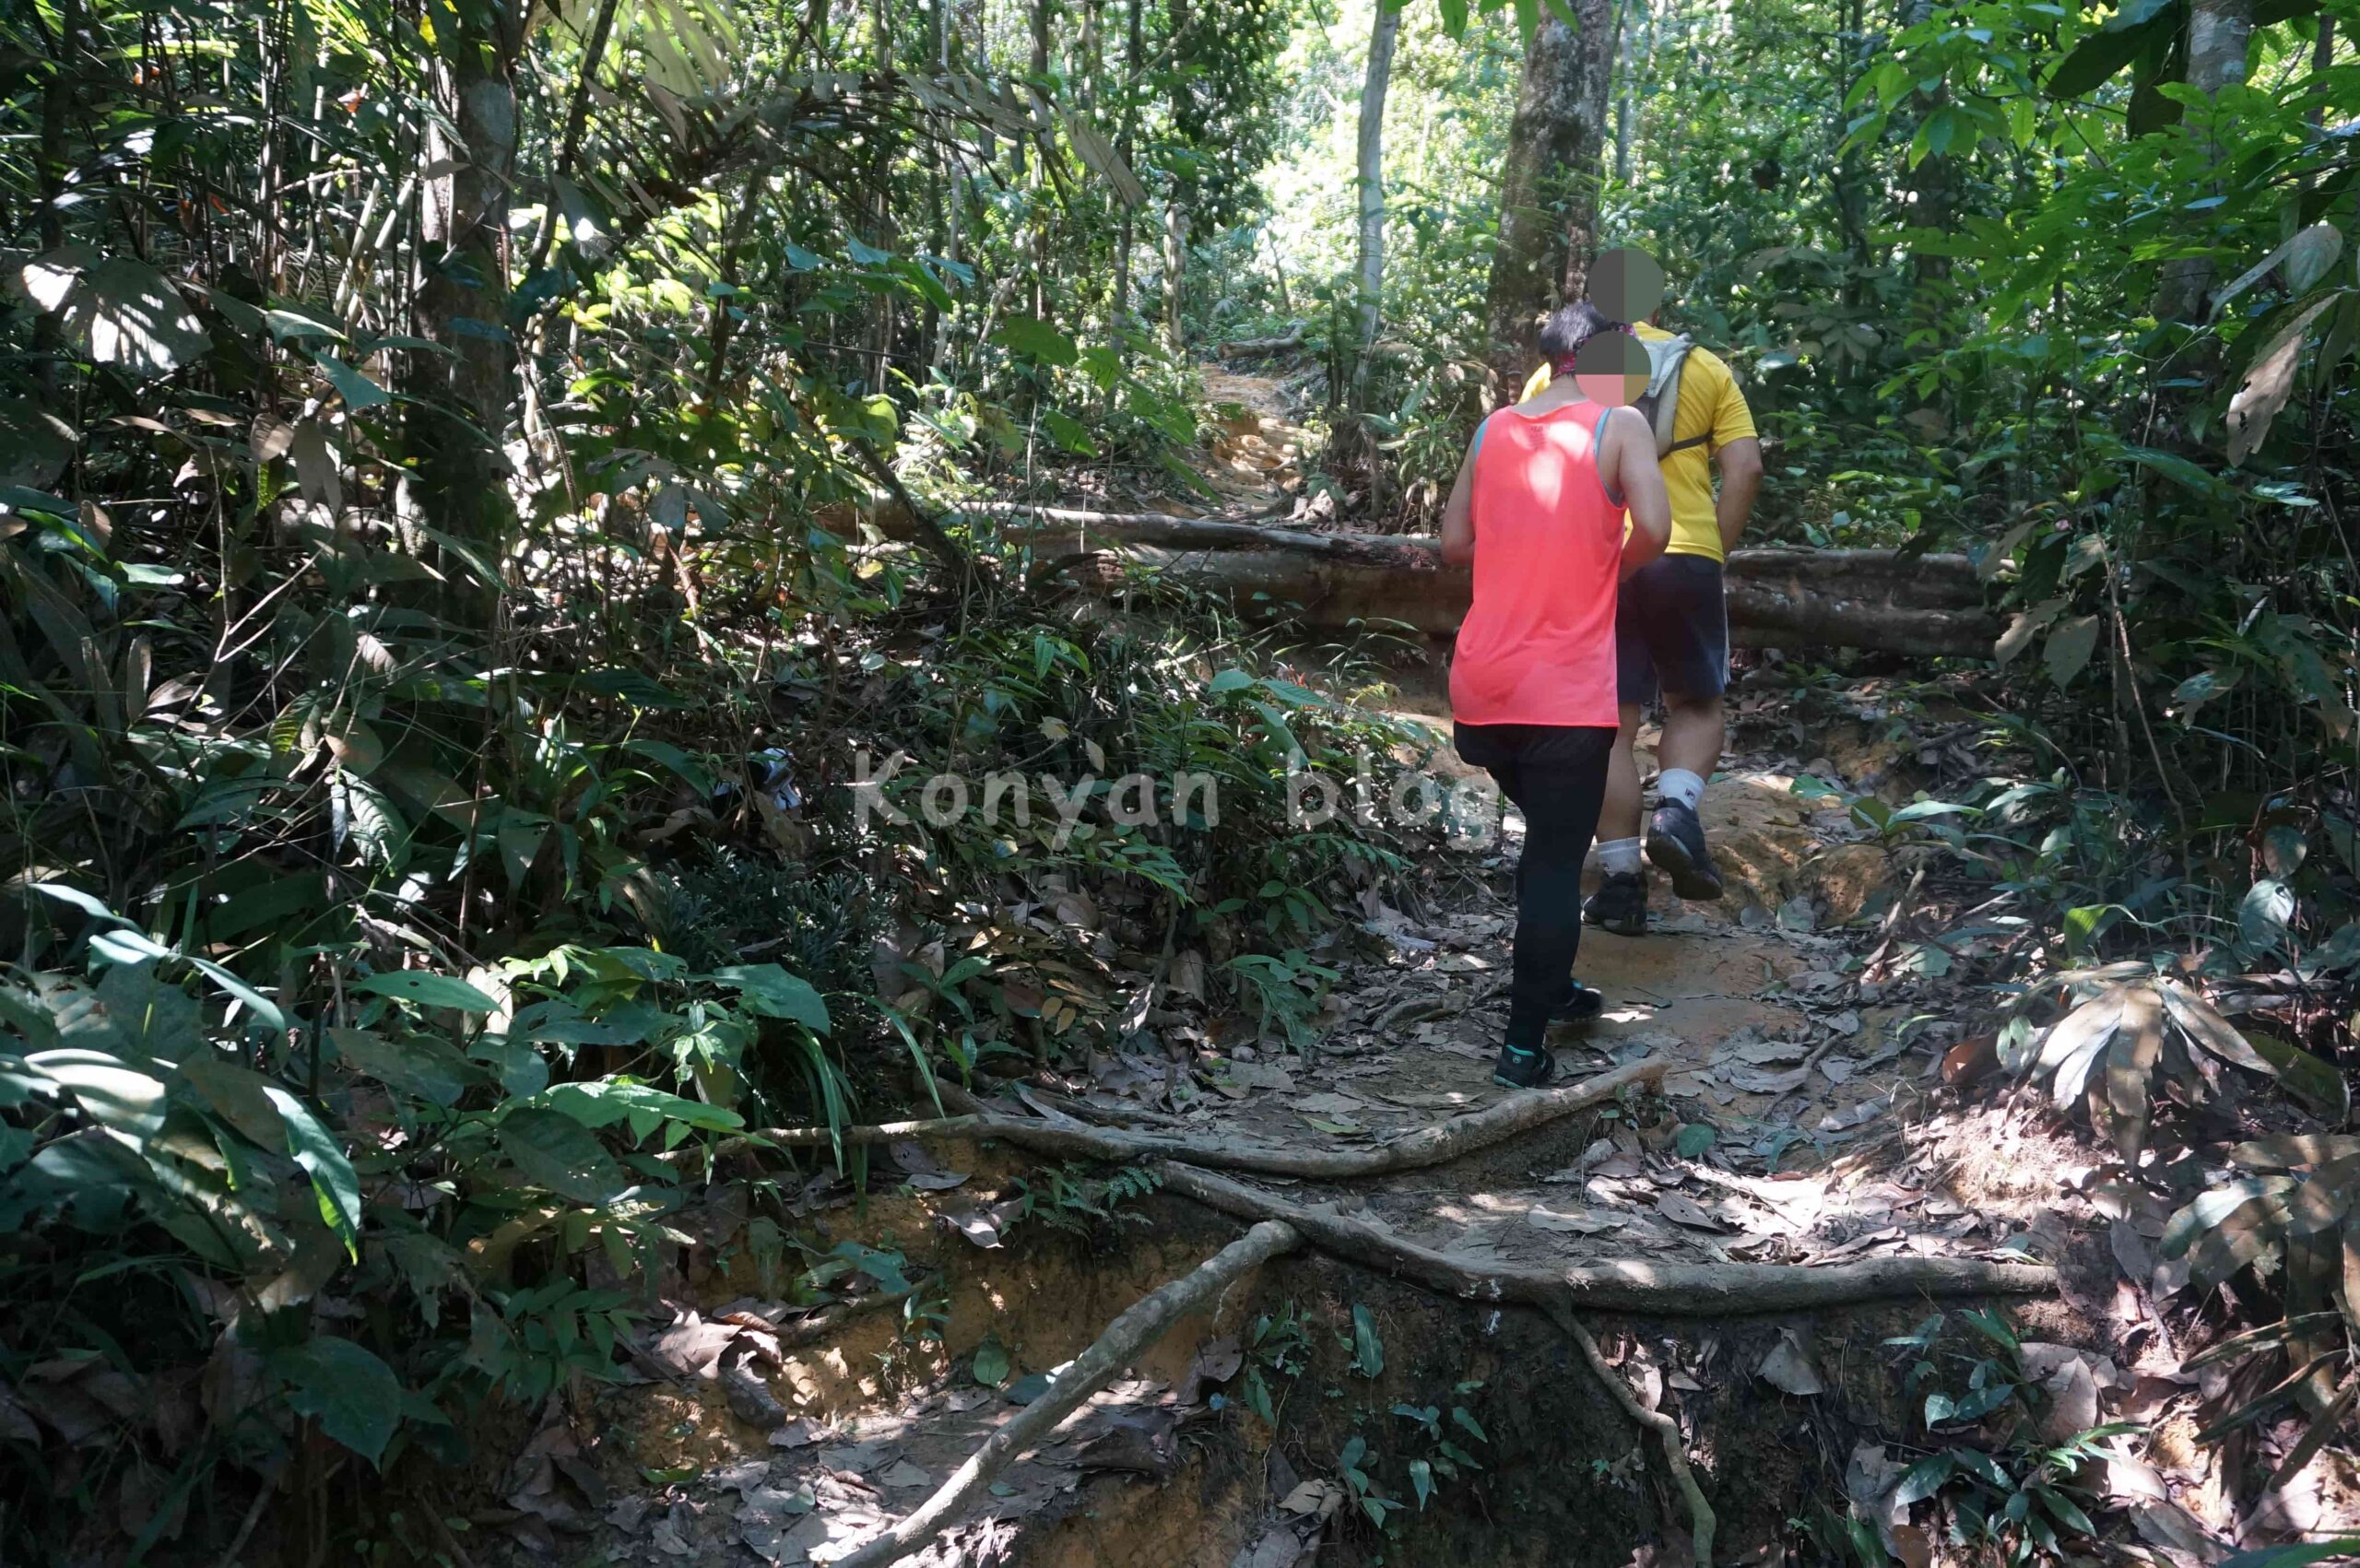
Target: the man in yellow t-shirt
pixel 1672 640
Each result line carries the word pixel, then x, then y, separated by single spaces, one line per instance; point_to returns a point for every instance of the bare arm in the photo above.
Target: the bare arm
pixel 1459 512
pixel 1630 449
pixel 1740 466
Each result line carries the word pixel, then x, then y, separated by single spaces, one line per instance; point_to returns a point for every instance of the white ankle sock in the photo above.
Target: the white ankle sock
pixel 1619 858
pixel 1679 783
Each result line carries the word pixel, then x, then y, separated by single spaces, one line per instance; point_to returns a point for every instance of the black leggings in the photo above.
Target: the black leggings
pixel 1556 775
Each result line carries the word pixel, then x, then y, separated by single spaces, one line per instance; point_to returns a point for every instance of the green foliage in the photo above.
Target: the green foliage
pixel 1279 1349
pixel 2005 1490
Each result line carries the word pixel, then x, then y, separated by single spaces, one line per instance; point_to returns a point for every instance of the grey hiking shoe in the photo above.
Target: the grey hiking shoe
pixel 1620 905
pixel 1676 844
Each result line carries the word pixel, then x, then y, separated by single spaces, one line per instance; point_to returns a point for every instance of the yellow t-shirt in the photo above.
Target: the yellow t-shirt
pixel 1710 406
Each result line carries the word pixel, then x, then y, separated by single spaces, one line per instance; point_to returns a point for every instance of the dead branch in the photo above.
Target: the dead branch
pixel 1138 1326
pixel 1632 1285
pixel 1701 1522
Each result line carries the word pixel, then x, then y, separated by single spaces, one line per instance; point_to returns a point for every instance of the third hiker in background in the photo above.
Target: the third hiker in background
pixel 1670 628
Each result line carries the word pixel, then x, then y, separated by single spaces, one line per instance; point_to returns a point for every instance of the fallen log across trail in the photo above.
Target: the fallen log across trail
pixel 1777 597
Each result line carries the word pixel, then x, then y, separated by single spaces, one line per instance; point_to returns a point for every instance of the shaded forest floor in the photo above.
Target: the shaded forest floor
pixel 1822 1107
pixel 1805 1121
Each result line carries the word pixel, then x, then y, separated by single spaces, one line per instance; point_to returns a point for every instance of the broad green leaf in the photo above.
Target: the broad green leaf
pixel 2306 257
pixel 119 1097
pixel 552 1149
pixel 416 1064
pixel 688 769
pixel 2070 647
pixel 2263 913
pixel 1037 340
pixel 631 686
pixel 2308 1079
pixel 118 310
pixel 354 1397
pixel 771 991
pixel 1368 1350
pixel 602 1104
pixel 239 1095
pixel 2200 1022
pixel 991 1365
pixel 2215 1206
pixel 357 390
pixel 427 989
pixel 322 1158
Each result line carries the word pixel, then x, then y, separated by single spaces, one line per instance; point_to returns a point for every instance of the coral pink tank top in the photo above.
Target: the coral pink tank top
pixel 1537 646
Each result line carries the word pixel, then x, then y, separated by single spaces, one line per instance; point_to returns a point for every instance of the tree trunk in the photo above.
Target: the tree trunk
pixel 1929 214
pixel 2218 33
pixel 1626 118
pixel 1555 142
pixel 1372 183
pixel 1176 262
pixel 1036 199
pixel 1133 51
pixel 463 303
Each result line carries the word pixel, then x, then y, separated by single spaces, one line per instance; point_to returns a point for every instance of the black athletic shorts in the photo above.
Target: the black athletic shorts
pixel 1671 630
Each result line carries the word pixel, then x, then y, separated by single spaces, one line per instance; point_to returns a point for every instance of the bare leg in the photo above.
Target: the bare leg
pixel 1694 733
pixel 1620 819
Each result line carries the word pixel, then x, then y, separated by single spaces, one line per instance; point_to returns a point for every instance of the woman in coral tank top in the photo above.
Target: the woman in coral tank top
pixel 1538 509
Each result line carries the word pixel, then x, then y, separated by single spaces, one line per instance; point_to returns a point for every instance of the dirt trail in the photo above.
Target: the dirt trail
pixel 1793 1128
pixel 1779 1138
pixel 1253 441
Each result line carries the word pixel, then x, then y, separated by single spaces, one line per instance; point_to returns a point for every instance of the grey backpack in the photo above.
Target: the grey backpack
pixel 1660 403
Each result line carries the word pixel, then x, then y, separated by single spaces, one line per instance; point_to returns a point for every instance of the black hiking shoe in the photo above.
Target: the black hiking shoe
pixel 1525 1069
pixel 1676 843
pixel 1582 1004
pixel 1620 905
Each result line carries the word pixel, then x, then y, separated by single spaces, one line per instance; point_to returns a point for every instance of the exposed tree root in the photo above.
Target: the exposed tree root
pixel 1701 1522
pixel 823 1326
pixel 1631 1286
pixel 1138 1326
pixel 1435 1145
pixel 1634 1285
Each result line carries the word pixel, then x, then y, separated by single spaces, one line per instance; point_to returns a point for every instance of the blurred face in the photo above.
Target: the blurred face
pixel 1612 368
pixel 1626 284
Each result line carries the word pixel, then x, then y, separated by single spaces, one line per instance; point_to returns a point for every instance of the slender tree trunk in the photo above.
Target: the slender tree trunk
pixel 1382 39
pixel 1176 263
pixel 463 301
pixel 1626 51
pixel 56 168
pixel 1929 213
pixel 1133 51
pixel 1555 143
pixel 2218 33
pixel 947 192
pixel 1036 202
